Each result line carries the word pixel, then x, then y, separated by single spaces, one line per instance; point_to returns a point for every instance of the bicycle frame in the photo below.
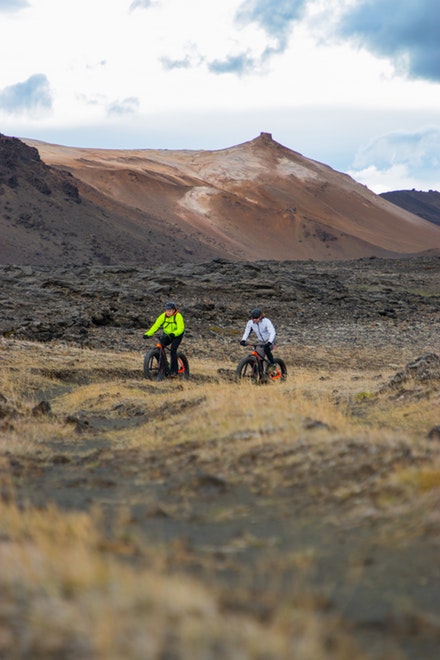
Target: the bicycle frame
pixel 165 367
pixel 262 360
pixel 157 364
pixel 261 355
pixel 163 360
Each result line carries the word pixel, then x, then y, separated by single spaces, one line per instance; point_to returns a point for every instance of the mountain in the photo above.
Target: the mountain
pixel 47 217
pixel 256 200
pixel 424 204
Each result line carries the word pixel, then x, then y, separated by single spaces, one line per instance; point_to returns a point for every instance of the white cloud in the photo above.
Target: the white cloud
pixel 31 96
pixel 401 159
pixel 13 5
pixel 125 107
pixel 140 4
pixel 396 177
pixel 219 72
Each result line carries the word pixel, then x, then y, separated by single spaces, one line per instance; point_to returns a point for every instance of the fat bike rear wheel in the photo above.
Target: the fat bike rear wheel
pixel 277 372
pixel 182 366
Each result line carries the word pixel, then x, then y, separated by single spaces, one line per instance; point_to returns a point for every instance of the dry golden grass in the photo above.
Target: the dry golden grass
pixel 208 407
pixel 420 480
pixel 63 595
pixel 64 591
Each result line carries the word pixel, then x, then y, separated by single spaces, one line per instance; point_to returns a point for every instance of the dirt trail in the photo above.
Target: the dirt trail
pixel 322 493
pixel 308 519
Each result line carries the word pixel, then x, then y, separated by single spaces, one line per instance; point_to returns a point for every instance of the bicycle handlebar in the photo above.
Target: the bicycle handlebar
pixel 156 339
pixel 248 343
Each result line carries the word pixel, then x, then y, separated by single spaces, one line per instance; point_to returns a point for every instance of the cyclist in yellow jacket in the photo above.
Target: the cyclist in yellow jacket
pixel 173 327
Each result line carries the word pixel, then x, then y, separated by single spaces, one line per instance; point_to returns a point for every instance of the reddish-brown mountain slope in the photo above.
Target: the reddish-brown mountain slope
pixel 256 200
pixel 47 217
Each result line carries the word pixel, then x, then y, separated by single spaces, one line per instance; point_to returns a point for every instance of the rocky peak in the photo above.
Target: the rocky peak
pixel 13 152
pixel 21 166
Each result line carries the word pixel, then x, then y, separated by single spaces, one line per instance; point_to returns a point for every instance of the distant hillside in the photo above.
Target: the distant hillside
pixel 50 218
pixel 256 200
pixel 424 204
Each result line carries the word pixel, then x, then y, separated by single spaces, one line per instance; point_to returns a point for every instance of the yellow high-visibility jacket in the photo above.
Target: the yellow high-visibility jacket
pixel 173 324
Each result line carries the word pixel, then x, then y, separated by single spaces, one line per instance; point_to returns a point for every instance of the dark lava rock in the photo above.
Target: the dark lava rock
pixel 361 303
pixel 434 433
pixel 422 369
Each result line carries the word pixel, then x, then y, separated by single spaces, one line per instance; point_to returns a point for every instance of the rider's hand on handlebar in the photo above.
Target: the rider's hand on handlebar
pixel 243 342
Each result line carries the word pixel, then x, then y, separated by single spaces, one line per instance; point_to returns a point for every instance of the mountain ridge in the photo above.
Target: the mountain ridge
pixel 255 200
pixel 425 204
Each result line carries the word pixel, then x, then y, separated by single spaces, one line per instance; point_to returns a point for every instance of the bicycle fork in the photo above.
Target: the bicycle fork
pixel 260 361
pixel 163 362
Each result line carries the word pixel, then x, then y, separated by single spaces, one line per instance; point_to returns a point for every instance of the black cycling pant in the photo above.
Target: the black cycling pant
pixel 165 340
pixel 268 352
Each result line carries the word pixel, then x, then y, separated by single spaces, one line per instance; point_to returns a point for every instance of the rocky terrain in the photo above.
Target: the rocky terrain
pixel 256 200
pixel 371 301
pixel 307 511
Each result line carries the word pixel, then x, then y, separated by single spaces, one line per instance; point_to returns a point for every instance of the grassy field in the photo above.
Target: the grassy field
pixel 215 519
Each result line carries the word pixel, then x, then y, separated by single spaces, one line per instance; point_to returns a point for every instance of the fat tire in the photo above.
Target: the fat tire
pixel 183 366
pixel 151 365
pixel 281 371
pixel 247 369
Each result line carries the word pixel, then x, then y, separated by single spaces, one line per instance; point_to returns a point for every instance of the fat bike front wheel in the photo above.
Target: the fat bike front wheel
pixel 153 365
pixel 247 369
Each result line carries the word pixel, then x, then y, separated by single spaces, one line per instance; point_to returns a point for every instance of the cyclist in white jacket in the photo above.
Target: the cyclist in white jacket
pixel 264 329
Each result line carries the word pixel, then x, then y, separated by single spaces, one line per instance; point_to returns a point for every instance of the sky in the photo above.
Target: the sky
pixel 354 84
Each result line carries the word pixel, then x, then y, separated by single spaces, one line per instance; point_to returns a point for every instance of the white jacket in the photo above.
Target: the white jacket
pixel 264 330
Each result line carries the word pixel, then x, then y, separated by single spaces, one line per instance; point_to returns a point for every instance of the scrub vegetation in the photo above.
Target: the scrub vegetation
pixel 217 519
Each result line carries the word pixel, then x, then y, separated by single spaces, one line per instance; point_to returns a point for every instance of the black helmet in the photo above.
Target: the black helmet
pixel 170 305
pixel 256 313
